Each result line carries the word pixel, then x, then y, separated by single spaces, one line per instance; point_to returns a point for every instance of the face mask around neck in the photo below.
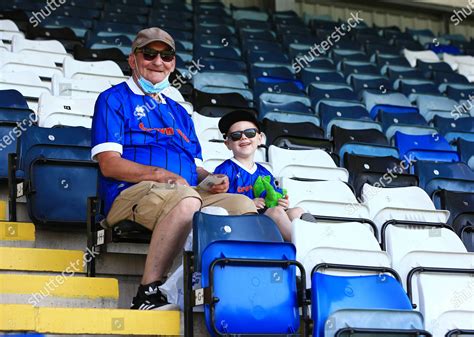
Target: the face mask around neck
pixel 148 87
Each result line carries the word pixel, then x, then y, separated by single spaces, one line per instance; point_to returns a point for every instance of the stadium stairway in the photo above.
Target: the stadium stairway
pixel 44 289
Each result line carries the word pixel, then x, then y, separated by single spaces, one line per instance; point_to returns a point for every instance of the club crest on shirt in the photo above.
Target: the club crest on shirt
pixel 139 112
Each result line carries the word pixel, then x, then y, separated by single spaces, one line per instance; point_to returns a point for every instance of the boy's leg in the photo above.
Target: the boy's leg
pixel 294 213
pixel 280 217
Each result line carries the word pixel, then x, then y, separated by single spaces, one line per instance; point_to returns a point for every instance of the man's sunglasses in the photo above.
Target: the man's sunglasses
pixel 150 54
pixel 237 135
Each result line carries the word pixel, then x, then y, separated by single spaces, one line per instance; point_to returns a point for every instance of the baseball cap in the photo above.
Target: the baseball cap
pixel 153 34
pixel 236 116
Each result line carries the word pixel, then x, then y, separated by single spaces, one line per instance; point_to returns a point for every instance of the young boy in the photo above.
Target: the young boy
pixel 242 135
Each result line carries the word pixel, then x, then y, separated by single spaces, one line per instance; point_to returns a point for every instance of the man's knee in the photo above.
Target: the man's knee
pixel 189 205
pixel 243 204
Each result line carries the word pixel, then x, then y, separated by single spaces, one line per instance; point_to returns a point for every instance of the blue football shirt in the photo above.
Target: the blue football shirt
pixel 241 179
pixel 144 131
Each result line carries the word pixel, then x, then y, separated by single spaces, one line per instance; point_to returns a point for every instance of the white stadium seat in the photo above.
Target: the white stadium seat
pixel 62 110
pixel 206 127
pixel 467 70
pixel 27 83
pixel 400 203
pixel 434 293
pixel 52 49
pixel 39 65
pixel 310 164
pixel 92 70
pixel 3 46
pixel 351 243
pixel 8 30
pixel 330 198
pixel 454 60
pixel 425 55
pixel 453 320
pixel 85 88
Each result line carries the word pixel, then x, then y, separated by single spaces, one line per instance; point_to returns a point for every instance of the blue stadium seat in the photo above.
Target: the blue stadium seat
pixel 218 51
pixel 373 48
pixel 217 40
pixel 390 59
pixel 339 55
pixel 320 91
pixel 261 56
pixel 395 72
pixel 461 214
pixel 257 298
pixel 258 45
pixel 357 303
pixel 459 91
pixel 371 170
pixel 377 101
pixel 242 238
pixel 283 103
pixel 276 85
pixel 357 67
pixel 331 109
pixel 310 75
pixel 442 78
pixel 214 29
pixel 408 123
pixel 362 82
pixel 466 151
pixel 256 34
pixel 293 134
pixel 370 142
pixel 15 118
pixel 431 147
pixel 270 70
pixel 315 62
pixel 217 64
pixel 431 106
pixel 429 67
pixel 304 39
pixel 58 176
pixel 412 88
pixel 112 29
pixel 454 128
pixel 435 176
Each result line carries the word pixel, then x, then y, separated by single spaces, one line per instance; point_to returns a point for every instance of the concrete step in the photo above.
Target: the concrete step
pixel 63 290
pixel 41 260
pixel 82 321
pixel 17 234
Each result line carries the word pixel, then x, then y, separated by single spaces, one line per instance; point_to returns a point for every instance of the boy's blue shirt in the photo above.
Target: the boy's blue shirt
pixel 241 179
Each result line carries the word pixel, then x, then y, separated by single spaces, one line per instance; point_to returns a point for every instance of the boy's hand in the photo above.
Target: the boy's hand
pixel 284 202
pixel 259 203
pixel 220 188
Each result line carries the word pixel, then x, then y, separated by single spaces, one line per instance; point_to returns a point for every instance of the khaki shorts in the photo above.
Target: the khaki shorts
pixel 148 202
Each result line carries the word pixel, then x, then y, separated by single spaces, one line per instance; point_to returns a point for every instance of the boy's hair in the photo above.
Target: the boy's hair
pixel 235 116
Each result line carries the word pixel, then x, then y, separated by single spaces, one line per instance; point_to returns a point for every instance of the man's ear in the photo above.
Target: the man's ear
pixel 131 61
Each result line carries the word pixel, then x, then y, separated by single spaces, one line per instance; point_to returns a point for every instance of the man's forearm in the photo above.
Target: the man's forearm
pixel 125 170
pixel 202 173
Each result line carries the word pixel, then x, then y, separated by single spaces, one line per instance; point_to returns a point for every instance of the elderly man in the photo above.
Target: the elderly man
pixel 149 158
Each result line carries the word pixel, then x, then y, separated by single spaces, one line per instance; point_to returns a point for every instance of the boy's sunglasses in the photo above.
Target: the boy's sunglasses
pixel 150 54
pixel 237 135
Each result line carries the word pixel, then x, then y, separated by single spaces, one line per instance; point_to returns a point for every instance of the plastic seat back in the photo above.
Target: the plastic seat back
pixel 209 228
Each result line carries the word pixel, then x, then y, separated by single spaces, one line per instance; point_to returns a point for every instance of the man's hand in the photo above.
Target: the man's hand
pixel 222 187
pixel 177 180
pixel 284 202
pixel 259 203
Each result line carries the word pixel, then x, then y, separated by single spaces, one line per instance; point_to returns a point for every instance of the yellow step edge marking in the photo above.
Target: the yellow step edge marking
pixel 17 317
pixel 3 210
pixel 38 259
pixel 40 286
pixel 89 321
pixel 16 231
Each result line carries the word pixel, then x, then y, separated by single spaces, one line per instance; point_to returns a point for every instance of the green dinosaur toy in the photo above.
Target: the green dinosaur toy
pixel 262 188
